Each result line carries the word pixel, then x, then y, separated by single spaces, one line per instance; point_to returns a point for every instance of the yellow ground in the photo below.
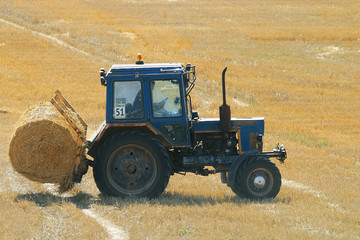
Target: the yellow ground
pixel 294 62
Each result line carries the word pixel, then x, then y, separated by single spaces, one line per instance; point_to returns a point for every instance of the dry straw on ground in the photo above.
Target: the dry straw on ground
pixel 44 146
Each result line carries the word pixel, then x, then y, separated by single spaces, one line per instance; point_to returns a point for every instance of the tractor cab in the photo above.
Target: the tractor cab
pixel 151 97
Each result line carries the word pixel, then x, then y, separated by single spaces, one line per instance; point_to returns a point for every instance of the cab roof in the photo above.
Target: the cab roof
pixel 152 67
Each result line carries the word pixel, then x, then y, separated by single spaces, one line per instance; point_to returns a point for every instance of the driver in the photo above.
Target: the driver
pixel 162 107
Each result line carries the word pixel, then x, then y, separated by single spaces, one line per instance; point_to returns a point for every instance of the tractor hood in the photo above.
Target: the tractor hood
pixel 243 124
pixel 249 130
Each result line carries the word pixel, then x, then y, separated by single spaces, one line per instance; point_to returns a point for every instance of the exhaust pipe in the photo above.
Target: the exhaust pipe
pixel 225 115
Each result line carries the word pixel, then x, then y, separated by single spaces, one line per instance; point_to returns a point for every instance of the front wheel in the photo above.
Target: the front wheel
pixel 132 164
pixel 257 178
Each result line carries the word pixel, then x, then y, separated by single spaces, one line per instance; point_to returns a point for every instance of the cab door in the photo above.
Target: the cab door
pixel 167 109
pixel 125 103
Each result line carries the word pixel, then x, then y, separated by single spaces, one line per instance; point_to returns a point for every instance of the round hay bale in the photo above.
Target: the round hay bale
pixel 44 146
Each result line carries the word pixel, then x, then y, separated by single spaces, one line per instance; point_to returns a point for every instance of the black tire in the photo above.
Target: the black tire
pixel 257 178
pixel 132 163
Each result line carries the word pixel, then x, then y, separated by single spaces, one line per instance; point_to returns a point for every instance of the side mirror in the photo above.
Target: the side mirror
pixel 195 115
pixel 103 81
pixel 102 73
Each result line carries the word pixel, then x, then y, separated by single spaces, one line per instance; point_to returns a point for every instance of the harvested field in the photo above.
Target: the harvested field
pixel 296 63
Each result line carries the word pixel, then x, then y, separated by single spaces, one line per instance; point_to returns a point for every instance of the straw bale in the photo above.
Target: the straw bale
pixel 43 148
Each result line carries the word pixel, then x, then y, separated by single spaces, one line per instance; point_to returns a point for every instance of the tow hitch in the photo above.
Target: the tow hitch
pixel 279 152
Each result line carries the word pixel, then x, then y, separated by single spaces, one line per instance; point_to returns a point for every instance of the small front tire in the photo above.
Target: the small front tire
pixel 257 178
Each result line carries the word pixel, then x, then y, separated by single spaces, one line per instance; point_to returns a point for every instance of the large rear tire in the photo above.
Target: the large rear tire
pixel 257 178
pixel 132 163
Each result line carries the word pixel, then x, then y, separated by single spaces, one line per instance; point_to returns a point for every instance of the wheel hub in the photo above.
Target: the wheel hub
pixel 259 182
pixel 131 169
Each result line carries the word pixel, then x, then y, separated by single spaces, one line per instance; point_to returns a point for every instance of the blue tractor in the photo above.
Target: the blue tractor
pixel 152 132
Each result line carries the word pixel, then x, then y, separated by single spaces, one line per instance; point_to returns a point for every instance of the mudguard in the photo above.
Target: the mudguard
pixel 236 164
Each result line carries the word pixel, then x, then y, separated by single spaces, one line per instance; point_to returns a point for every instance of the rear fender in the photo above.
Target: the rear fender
pixel 107 129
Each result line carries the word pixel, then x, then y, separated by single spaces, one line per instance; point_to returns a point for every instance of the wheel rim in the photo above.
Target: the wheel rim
pixel 131 169
pixel 260 182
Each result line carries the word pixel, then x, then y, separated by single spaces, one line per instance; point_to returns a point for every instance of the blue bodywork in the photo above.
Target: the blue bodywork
pixel 174 132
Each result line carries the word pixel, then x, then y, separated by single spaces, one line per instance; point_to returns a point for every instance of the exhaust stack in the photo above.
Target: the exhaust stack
pixel 225 115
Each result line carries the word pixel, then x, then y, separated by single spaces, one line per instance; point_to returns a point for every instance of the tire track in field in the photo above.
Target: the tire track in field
pixel 334 206
pixel 315 193
pixel 12 182
pixel 47 37
pixel 115 232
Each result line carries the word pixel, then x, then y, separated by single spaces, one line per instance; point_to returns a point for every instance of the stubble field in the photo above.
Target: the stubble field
pixel 296 63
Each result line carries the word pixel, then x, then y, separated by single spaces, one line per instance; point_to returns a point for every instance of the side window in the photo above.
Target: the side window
pixel 165 98
pixel 128 100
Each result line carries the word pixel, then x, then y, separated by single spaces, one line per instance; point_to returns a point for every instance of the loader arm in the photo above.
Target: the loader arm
pixel 77 123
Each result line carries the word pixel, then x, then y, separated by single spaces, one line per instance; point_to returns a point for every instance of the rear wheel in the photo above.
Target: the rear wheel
pixel 257 178
pixel 132 164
